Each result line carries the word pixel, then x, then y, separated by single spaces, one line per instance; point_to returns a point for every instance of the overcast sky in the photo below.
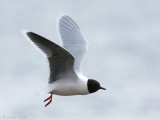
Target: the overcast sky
pixel 123 55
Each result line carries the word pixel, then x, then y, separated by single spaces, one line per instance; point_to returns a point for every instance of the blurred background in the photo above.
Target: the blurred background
pixel 123 55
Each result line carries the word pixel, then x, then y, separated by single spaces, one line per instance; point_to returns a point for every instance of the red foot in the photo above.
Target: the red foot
pixel 48 99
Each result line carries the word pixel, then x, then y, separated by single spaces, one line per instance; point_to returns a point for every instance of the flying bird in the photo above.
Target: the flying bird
pixel 65 62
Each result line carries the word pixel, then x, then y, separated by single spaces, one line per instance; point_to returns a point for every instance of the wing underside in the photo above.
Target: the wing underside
pixel 61 62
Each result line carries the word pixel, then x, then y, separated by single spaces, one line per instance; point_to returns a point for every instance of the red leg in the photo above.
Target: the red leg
pixel 49 98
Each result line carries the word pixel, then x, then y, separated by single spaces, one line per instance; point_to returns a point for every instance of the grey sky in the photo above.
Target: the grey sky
pixel 124 55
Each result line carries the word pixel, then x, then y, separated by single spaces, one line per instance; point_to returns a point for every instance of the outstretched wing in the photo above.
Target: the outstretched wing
pixel 73 40
pixel 61 62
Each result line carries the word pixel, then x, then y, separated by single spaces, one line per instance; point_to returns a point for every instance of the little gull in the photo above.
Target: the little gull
pixel 66 77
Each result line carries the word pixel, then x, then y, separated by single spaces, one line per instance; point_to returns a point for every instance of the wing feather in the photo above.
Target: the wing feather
pixel 73 40
pixel 61 62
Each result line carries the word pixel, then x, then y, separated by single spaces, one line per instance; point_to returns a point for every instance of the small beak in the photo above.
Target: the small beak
pixel 102 88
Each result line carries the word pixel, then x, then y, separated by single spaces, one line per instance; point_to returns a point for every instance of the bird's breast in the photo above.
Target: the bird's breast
pixel 67 88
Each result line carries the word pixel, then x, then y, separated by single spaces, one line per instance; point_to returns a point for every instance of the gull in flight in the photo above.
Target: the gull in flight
pixel 66 77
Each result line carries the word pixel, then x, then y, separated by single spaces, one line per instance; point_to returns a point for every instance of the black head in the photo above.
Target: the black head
pixel 93 86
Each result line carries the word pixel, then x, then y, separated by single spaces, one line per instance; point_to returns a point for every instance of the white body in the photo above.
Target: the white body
pixel 69 87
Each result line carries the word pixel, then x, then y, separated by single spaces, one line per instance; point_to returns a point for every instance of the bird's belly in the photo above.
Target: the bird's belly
pixel 70 89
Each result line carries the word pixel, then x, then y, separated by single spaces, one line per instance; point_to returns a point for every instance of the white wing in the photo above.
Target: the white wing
pixel 73 40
